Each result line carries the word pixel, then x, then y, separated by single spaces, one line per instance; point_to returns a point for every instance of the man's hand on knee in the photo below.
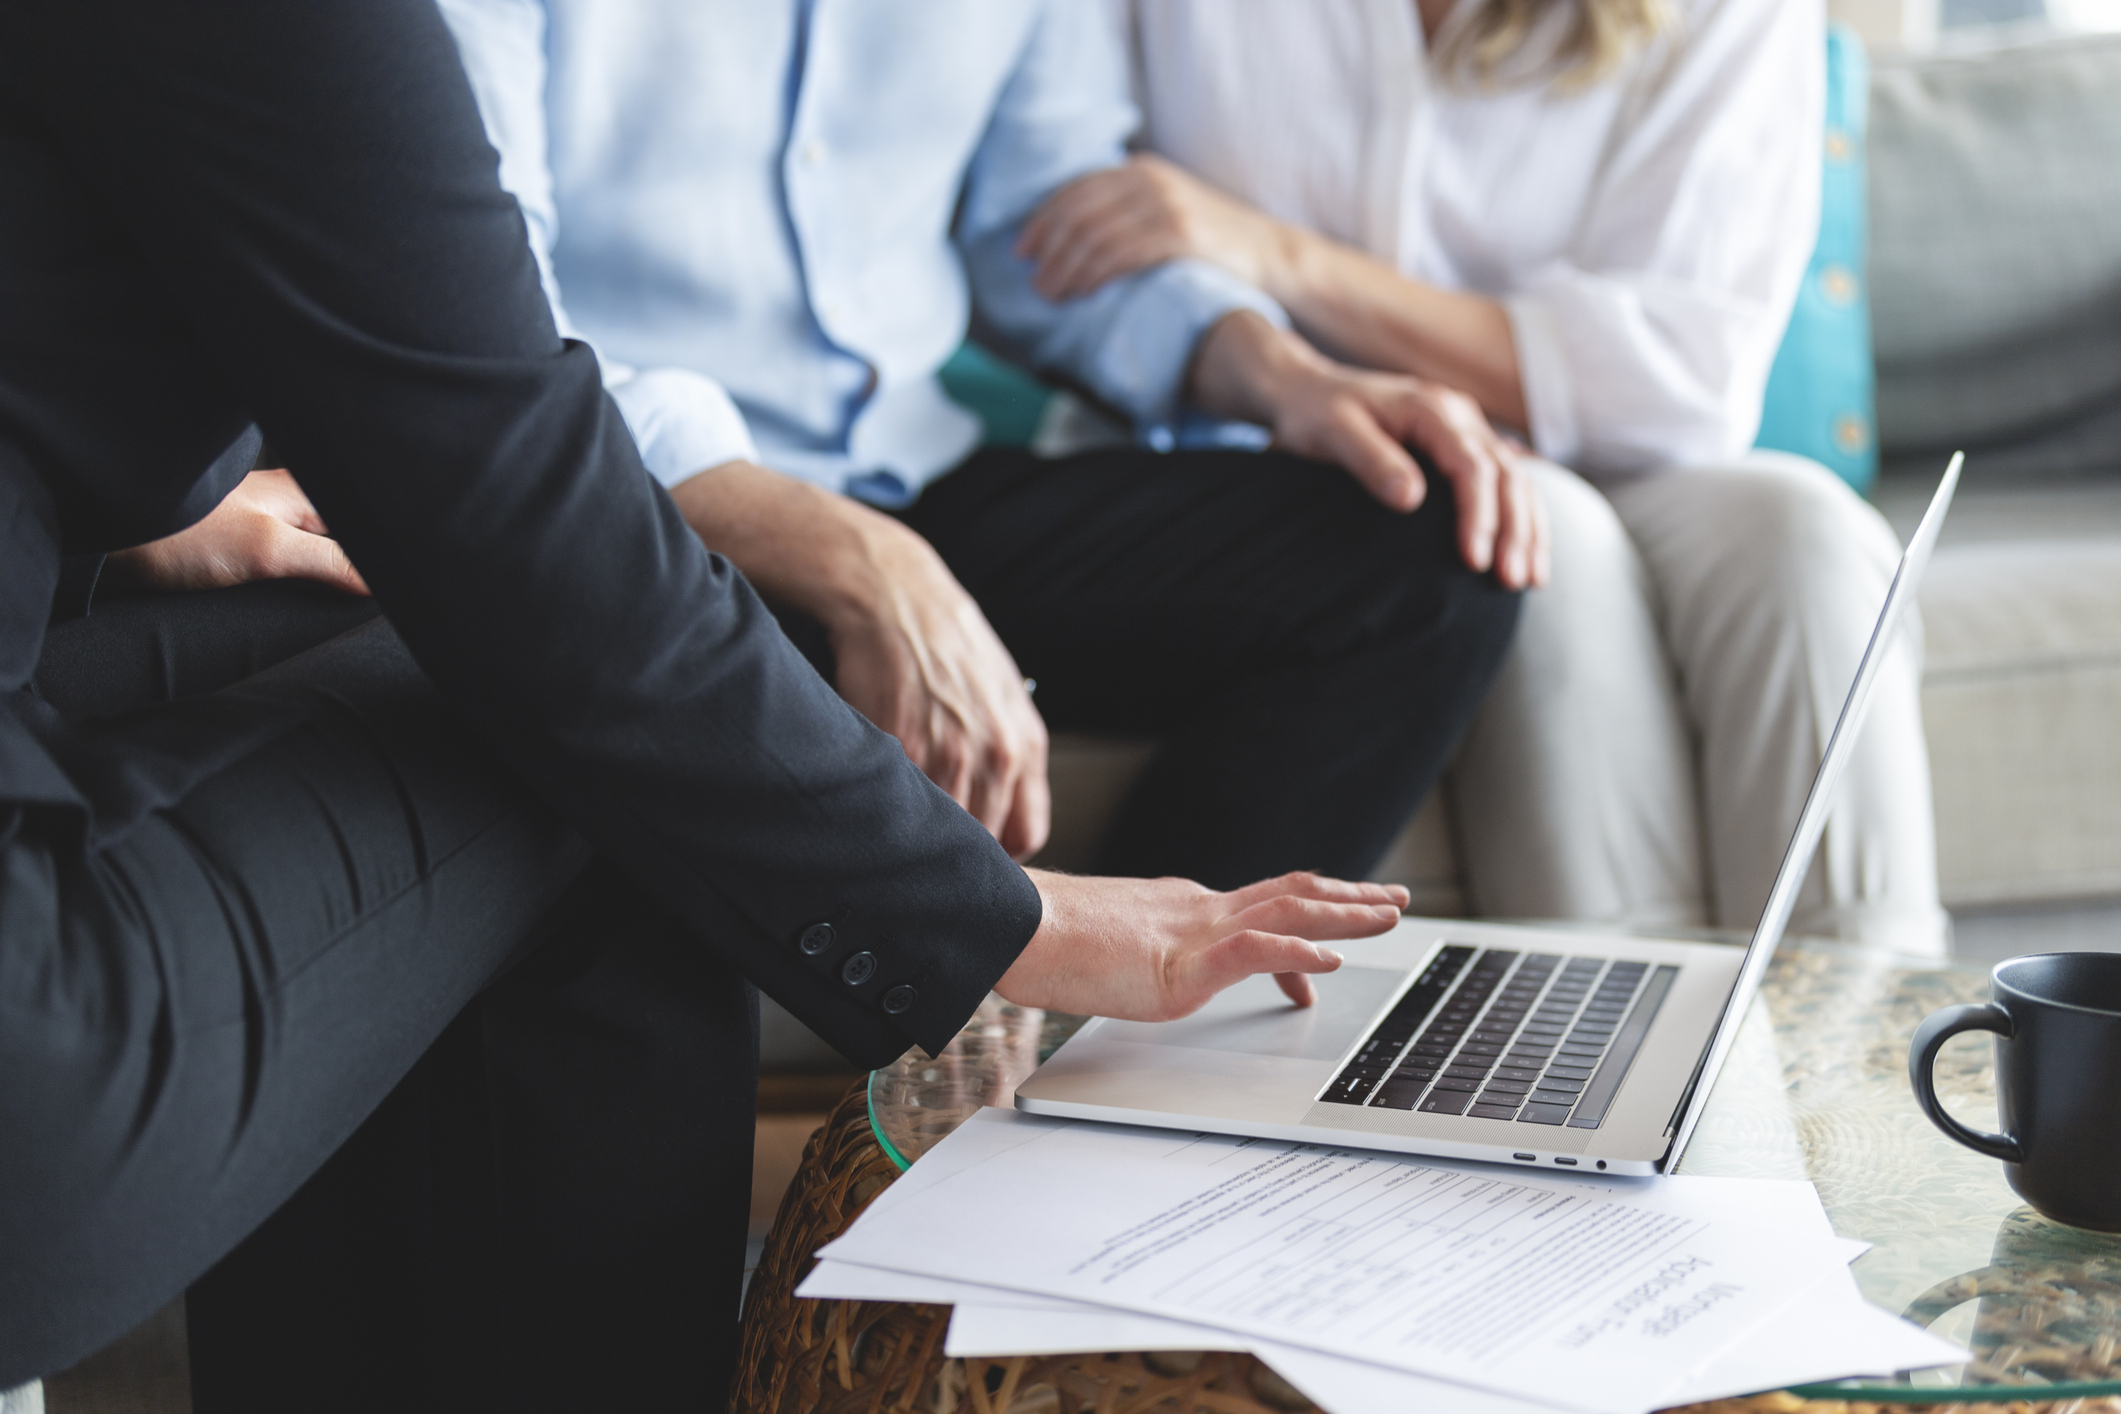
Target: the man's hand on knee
pixel 264 529
pixel 915 655
pixel 1365 421
pixel 1158 949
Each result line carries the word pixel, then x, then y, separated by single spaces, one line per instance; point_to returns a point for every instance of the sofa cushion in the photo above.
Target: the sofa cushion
pixel 1995 263
pixel 1819 401
pixel 2022 689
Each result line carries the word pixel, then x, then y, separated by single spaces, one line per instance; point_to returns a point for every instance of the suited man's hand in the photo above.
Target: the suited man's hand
pixel 914 653
pixel 1158 949
pixel 264 529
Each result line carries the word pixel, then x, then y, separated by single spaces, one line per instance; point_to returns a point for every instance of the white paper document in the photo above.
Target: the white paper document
pixel 1829 1334
pixel 1582 1292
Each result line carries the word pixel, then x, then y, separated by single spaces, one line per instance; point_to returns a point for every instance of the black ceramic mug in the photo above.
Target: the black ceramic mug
pixel 2057 1019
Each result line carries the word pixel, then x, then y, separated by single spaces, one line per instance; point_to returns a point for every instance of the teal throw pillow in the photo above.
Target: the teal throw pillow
pixel 1821 393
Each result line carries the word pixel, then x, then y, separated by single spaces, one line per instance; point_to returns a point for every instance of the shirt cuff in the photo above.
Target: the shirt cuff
pixel 1543 369
pixel 1141 367
pixel 683 422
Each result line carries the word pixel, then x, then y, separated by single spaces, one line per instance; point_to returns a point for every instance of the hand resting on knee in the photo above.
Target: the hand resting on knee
pixel 264 529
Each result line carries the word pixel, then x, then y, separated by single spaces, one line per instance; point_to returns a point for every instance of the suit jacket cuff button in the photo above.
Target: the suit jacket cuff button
pixel 899 999
pixel 858 969
pixel 815 939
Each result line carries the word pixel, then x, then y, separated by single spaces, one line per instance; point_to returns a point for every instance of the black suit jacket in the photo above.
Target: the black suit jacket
pixel 220 215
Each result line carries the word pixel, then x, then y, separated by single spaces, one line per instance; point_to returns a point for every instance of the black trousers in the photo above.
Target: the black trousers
pixel 365 944
pixel 1307 658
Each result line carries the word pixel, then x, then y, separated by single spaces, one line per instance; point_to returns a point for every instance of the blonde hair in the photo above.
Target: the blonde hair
pixel 1490 47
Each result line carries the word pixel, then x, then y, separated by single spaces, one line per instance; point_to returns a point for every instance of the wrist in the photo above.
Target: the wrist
pixel 1285 261
pixel 813 550
pixel 1026 983
pixel 1245 368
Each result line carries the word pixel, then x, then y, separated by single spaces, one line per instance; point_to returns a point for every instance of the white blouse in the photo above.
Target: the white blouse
pixel 1647 235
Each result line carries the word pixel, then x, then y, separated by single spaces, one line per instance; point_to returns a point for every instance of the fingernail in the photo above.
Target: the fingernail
pixel 1330 957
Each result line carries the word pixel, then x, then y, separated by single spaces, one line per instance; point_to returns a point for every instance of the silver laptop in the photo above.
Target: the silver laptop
pixel 1473 1040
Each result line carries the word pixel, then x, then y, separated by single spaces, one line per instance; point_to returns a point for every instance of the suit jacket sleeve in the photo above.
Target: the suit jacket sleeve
pixel 302 214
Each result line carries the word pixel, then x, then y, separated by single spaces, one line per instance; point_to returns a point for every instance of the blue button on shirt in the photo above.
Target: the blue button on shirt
pixel 774 219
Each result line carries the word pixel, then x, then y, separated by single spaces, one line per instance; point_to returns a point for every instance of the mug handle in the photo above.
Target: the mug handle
pixel 1930 1037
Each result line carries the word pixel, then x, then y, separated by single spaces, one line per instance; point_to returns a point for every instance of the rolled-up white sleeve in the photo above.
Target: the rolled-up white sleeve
pixel 1650 346
pixel 683 422
pixel 1065 112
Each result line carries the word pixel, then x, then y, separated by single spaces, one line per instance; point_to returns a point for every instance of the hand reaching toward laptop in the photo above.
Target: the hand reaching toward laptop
pixel 1158 949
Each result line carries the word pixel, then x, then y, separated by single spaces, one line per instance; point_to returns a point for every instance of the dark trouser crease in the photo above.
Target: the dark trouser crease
pixel 549 1204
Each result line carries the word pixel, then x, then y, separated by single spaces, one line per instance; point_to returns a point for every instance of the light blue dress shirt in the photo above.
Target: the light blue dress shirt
pixel 774 219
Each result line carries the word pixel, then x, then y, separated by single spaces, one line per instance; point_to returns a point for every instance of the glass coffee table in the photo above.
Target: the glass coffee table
pixel 1816 1088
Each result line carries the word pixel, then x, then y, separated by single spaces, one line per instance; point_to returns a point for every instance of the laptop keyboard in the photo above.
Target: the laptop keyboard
pixel 1494 1034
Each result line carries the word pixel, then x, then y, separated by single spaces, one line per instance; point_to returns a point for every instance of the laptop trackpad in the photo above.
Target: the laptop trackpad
pixel 1254 1018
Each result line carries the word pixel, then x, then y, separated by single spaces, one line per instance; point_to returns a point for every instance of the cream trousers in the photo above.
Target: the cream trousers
pixel 1649 743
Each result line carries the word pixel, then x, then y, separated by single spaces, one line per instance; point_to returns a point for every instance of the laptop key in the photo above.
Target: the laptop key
pixel 1490 1111
pixel 1499 1086
pixel 1561 1083
pixel 1453 1082
pixel 1397 1095
pixel 1446 1103
pixel 1517 1072
pixel 1465 1072
pixel 1543 1114
pixel 1348 1089
pixel 1564 1098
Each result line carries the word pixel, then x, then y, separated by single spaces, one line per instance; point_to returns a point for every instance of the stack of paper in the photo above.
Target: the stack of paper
pixel 1371 1281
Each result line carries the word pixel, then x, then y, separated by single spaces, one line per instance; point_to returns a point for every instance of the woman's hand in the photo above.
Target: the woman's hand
pixel 1158 949
pixel 1114 223
pixel 1365 421
pixel 264 529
